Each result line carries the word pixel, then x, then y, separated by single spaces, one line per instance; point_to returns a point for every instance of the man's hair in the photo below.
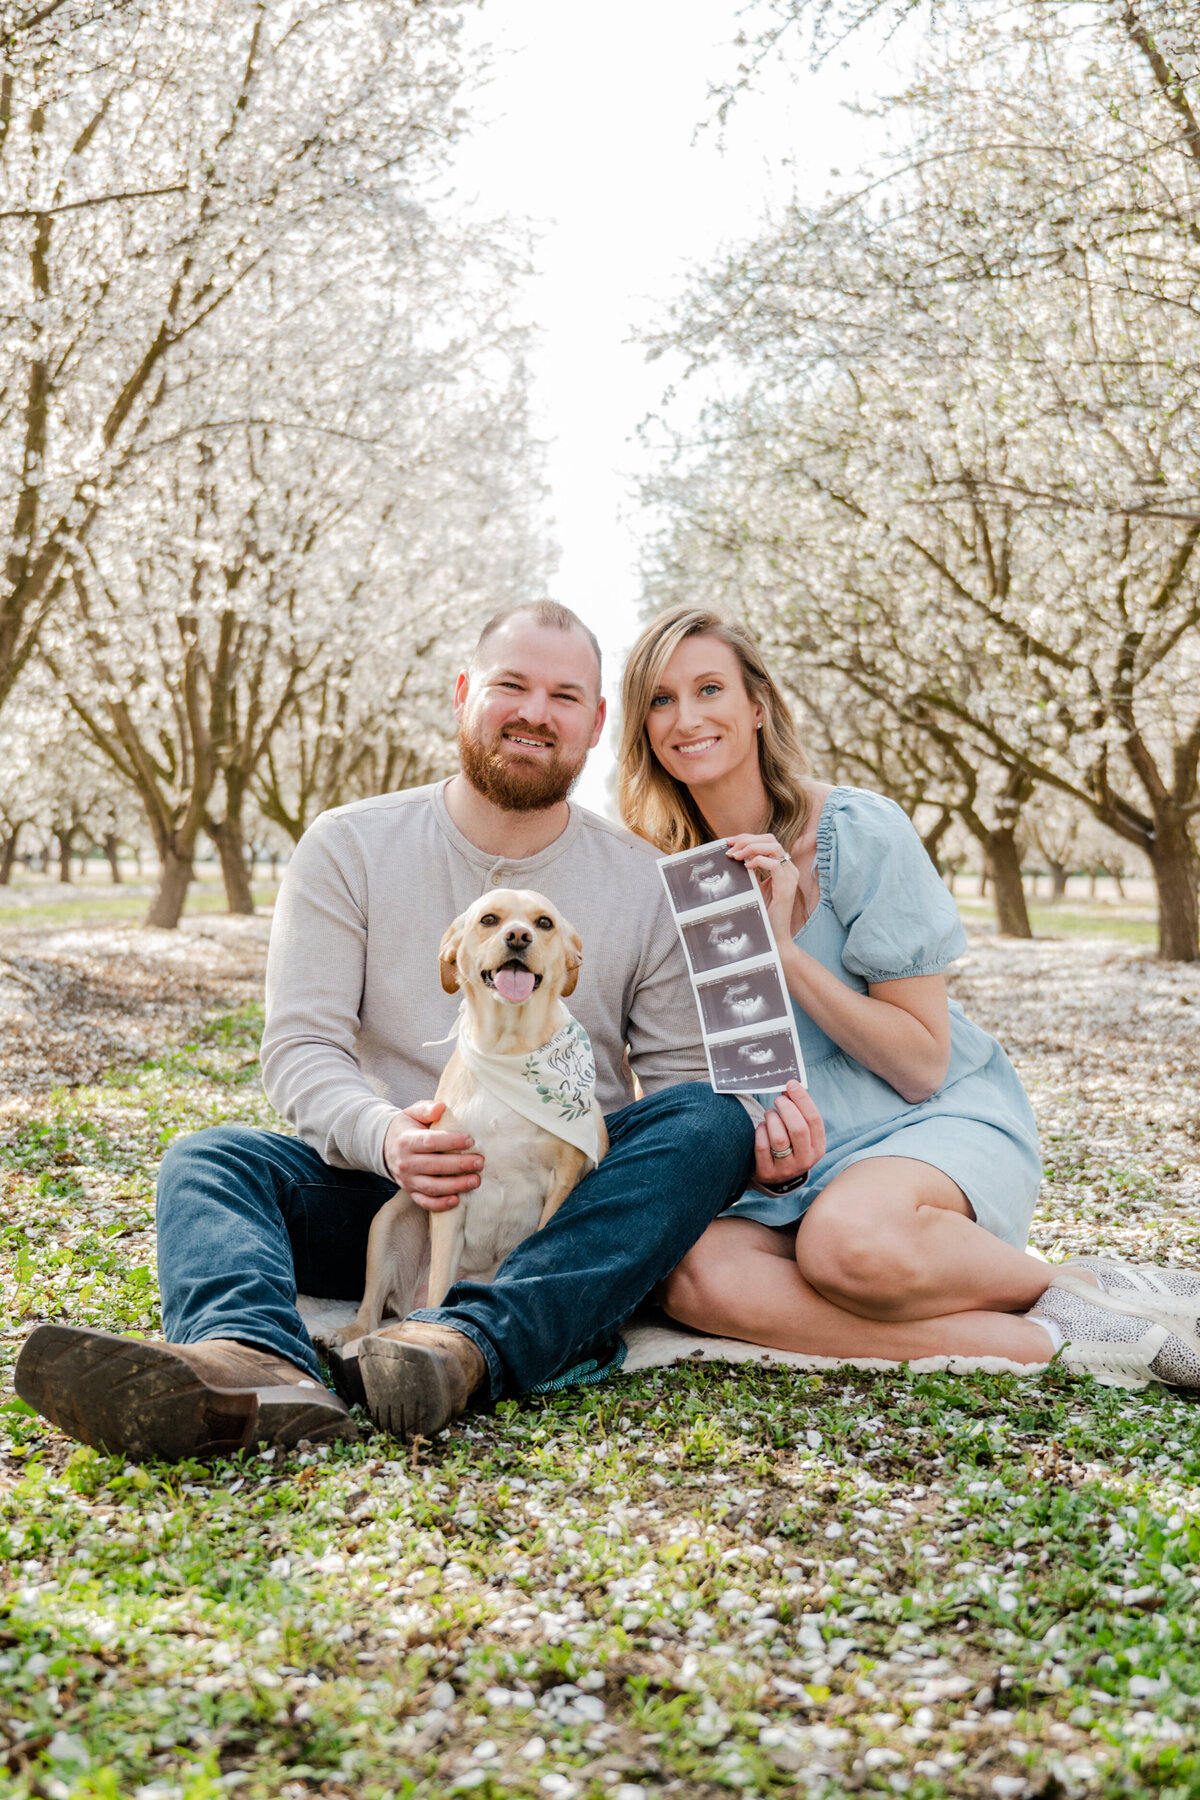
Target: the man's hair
pixel 545 613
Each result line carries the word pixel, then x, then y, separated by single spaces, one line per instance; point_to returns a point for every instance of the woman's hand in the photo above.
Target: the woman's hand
pixel 779 875
pixel 790 1139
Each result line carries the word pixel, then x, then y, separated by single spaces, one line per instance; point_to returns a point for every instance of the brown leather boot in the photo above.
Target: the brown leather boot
pixel 418 1376
pixel 139 1398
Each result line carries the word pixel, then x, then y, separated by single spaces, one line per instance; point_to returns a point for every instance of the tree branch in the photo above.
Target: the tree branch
pixel 40 212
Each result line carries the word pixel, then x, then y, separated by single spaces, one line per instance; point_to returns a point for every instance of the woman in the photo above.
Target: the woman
pixel 907 1240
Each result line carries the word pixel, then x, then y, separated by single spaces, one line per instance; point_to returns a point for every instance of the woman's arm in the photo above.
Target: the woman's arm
pixel 900 1030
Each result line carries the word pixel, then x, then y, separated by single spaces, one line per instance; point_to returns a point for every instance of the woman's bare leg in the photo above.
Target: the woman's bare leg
pixel 895 1239
pixel 741 1281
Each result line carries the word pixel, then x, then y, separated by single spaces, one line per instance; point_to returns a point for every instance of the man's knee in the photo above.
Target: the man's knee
pixel 219 1160
pixel 216 1143
pixel 710 1124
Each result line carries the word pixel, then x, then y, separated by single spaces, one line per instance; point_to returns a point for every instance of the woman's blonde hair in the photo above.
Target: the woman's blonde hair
pixel 655 804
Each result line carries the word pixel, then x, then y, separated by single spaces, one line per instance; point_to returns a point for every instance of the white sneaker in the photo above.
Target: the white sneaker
pixel 1172 1295
pixel 1105 1337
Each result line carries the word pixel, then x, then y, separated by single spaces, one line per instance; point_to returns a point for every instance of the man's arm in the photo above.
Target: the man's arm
pixel 315 970
pixel 315 974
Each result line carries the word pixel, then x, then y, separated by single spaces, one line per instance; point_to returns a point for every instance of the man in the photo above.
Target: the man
pixel 355 1012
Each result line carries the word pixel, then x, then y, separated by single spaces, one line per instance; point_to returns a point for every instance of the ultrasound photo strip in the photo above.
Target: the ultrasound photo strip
pixel 746 1017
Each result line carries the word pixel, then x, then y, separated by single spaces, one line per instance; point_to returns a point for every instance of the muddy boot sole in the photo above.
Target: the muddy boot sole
pixel 407 1386
pixel 143 1400
pixel 287 1415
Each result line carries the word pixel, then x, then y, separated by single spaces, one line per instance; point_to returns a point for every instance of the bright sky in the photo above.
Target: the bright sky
pixel 591 133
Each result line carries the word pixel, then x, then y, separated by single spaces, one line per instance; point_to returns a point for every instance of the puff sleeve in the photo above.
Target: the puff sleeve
pixel 899 918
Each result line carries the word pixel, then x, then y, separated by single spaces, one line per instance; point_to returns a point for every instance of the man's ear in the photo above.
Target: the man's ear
pixel 598 724
pixel 574 958
pixel 448 954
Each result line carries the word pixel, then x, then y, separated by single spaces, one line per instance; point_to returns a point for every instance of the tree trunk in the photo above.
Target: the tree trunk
pixel 1004 866
pixel 226 834
pixel 112 848
pixel 63 840
pixel 8 856
pixel 174 880
pixel 1173 862
pixel 932 840
pixel 1058 880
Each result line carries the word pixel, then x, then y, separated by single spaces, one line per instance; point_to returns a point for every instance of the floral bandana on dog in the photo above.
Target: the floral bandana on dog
pixel 553 1086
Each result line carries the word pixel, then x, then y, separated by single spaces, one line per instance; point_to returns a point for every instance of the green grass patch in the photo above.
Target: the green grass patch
pixel 1072 921
pixel 701 1581
pixel 91 905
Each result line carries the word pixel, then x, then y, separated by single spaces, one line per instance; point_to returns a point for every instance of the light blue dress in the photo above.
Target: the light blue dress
pixel 884 913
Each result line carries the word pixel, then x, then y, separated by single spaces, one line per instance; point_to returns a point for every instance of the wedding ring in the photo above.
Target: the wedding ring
pixel 781 1155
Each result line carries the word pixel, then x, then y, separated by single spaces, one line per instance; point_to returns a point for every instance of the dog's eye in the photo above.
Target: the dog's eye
pixel 544 924
pixel 490 919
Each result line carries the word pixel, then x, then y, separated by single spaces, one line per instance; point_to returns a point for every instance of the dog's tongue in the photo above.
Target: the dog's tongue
pixel 514 984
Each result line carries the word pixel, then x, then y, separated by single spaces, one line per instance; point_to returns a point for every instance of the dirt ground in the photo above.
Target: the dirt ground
pixel 78 1000
pixel 1105 1037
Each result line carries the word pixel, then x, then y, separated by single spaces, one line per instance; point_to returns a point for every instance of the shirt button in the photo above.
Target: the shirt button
pixel 497 880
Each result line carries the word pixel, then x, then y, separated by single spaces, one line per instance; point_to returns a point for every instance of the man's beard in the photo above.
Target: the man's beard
pixel 517 784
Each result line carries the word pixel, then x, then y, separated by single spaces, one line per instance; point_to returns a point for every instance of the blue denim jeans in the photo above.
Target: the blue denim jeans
pixel 247 1217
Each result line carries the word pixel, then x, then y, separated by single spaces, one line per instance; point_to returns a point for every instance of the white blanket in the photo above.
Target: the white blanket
pixel 653 1342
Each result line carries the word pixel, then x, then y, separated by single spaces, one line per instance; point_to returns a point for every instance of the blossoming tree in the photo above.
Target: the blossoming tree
pixel 263 407
pixel 959 415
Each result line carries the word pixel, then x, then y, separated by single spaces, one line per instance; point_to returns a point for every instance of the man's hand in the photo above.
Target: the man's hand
pixel 793 1125
pixel 435 1167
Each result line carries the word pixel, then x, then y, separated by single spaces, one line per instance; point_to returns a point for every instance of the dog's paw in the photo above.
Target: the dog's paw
pixel 349 1334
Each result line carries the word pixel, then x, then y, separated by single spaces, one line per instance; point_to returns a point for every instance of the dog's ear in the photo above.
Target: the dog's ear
pixel 448 954
pixel 574 958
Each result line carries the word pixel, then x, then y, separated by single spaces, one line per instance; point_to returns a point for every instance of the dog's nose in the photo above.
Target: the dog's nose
pixel 518 937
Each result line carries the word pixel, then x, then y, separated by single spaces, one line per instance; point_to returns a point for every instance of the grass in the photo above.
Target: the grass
pixel 96 905
pixel 1099 920
pixel 701 1581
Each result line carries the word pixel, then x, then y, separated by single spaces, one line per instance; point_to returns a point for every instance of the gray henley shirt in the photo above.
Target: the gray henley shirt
pixel 355 1008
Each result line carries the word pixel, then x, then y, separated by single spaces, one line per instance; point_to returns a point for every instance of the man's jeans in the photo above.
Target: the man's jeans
pixel 247 1217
